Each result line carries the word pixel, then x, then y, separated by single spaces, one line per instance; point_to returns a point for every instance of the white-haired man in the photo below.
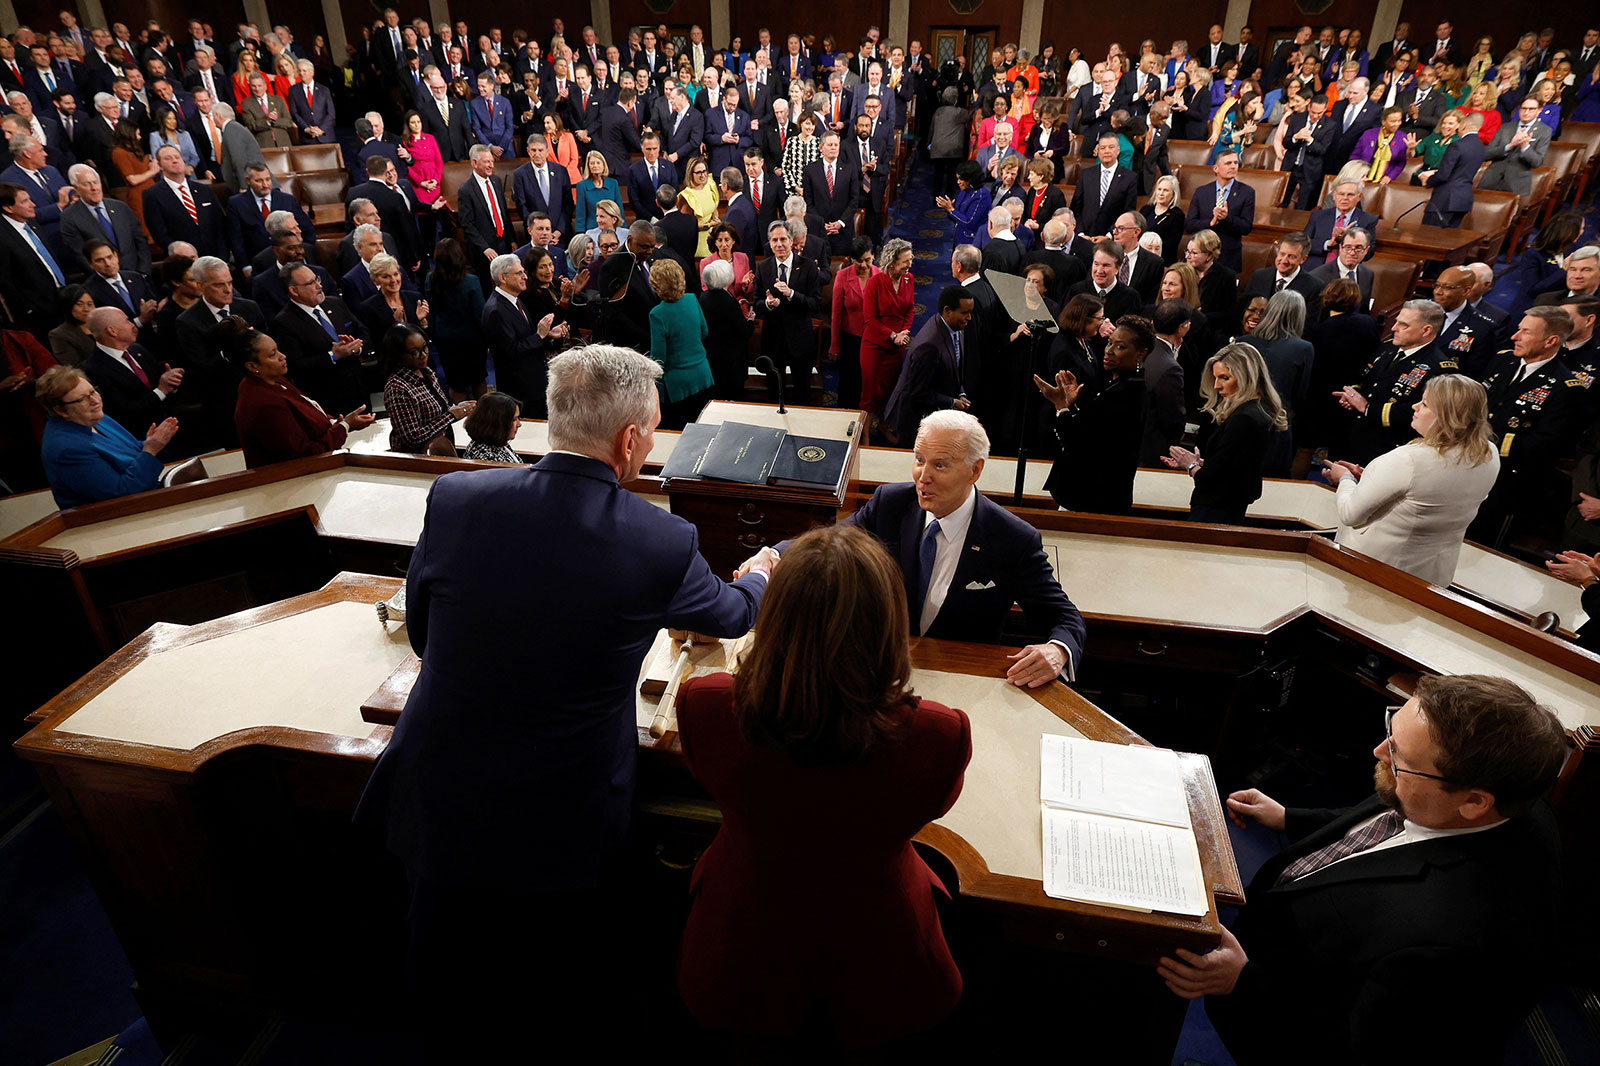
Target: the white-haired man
pixel 552 813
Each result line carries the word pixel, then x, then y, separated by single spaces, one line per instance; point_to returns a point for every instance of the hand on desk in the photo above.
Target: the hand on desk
pixel 1212 974
pixel 1035 665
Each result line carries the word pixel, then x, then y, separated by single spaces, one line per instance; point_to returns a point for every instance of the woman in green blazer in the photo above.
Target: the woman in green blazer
pixel 677 342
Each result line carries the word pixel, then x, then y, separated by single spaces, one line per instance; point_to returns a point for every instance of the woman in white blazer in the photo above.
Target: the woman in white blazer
pixel 1411 506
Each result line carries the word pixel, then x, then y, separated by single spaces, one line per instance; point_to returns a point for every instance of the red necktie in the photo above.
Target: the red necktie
pixel 494 210
pixel 755 194
pixel 783 139
pixel 827 172
pixel 138 371
pixel 188 203
pixel 308 96
pixel 265 210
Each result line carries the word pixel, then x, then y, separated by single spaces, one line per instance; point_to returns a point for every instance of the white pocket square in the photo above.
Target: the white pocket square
pixel 977 586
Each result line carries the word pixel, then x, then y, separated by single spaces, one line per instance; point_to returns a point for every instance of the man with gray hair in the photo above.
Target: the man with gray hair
pixel 214 380
pixel 136 387
pixel 30 169
pixel 1583 277
pixel 1002 251
pixel 515 339
pixel 1393 381
pixel 939 523
pixel 239 147
pixel 93 214
pixel 496 848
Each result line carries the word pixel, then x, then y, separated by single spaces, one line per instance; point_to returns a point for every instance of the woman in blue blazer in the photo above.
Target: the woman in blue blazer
pixel 597 184
pixel 970 207
pixel 88 456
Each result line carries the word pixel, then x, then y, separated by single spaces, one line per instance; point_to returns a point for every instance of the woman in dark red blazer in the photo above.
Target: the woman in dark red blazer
pixel 835 776
pixel 276 421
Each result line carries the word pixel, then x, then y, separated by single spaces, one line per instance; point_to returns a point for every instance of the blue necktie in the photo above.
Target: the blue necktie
pixel 322 320
pixel 122 291
pixel 49 261
pixel 930 548
pixel 105 224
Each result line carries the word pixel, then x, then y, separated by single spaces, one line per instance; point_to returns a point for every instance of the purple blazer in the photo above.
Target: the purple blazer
pixel 1367 148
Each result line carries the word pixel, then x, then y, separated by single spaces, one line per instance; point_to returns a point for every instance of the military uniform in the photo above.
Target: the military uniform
pixel 1471 340
pixel 1392 384
pixel 1536 420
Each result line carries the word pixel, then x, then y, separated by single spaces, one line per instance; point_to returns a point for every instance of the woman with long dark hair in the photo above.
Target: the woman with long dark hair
pixel 455 303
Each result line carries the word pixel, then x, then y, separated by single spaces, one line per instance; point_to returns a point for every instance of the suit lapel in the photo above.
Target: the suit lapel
pixel 911 526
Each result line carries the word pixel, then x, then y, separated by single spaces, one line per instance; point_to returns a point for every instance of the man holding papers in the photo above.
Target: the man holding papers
pixel 965 559
pixel 1416 926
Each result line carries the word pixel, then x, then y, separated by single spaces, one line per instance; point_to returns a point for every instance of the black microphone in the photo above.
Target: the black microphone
pixel 765 364
pixel 1407 211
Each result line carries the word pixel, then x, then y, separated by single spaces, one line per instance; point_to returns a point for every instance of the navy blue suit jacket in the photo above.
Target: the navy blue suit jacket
pixel 319 114
pixel 491 127
pixel 1231 230
pixel 1452 182
pixel 1320 227
pixel 642 193
pixel 1002 553
pixel 525 191
pixel 247 231
pixel 167 219
pixel 741 215
pixel 552 806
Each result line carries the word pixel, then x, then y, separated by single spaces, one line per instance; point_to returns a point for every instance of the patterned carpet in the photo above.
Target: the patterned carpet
pixel 917 219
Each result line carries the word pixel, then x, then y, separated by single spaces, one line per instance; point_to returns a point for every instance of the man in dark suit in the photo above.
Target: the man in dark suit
pixel 619 133
pixel 832 187
pixel 1354 247
pixel 42 78
pixel 740 213
pixel 246 215
pixel 208 76
pixel 178 208
pixel 515 339
pixel 322 339
pixel 966 560
pixel 1399 44
pixel 1215 52
pixel 1226 206
pixel 563 805
pixel 111 286
pixel 1103 283
pixel 1352 116
pixel 30 276
pixel 58 146
pixel 483 212
pixel 1141 269
pixel 12 72
pixel 1105 191
pixel 355 284
pixel 1444 46
pixel 1053 252
pixel 1002 250
pixel 445 118
pixel 787 293
pixel 136 388
pixel 678 224
pixel 1246 52
pixel 727 133
pixel 44 183
pixel 646 176
pixel 1368 920
pixel 371 140
pixel 931 378
pixel 766 196
pixel 552 195
pixel 773 137
pixel 394 198
pixel 94 215
pixel 1090 115
pixel 1307 135
pixel 214 380
pixel 268 284
pixel 1288 257
pixel 1164 411
pixel 755 98
pixel 583 111
pixel 1452 182
pixel 1516 150
pixel 685 133
pixel 1327 226
pixel 1422 102
pixel 311 107
pixel 871 154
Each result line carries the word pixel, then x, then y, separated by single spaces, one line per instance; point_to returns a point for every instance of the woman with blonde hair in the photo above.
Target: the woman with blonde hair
pixel 1164 216
pixel 677 342
pixel 597 186
pixel 703 198
pixel 1410 507
pixel 1182 283
pixel 1483 100
pixel 1245 411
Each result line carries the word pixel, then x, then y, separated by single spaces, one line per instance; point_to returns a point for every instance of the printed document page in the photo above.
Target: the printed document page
pixel 1122 780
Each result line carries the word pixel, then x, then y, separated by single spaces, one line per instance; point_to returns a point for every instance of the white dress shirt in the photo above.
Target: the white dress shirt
pixel 952 536
pixel 132 364
pixel 1410 833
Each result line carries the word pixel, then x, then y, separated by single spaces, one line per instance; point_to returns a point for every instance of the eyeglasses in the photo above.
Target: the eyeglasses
pixel 1394 763
pixel 91 394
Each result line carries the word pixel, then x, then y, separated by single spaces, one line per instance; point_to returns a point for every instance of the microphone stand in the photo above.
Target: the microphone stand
pixel 1395 228
pixel 768 367
pixel 1037 332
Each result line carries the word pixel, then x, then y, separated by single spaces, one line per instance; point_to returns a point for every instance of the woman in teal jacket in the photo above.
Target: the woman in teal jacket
pixel 677 342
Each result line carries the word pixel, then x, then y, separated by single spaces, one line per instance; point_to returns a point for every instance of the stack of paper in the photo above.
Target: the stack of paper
pixel 1116 827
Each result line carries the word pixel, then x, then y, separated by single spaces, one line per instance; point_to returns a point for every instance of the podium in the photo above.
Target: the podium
pixel 736 520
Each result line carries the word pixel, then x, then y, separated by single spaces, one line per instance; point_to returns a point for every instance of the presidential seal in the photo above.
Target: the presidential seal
pixel 811 454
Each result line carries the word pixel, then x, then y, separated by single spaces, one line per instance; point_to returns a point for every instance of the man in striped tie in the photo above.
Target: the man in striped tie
pixel 177 208
pixel 1418 926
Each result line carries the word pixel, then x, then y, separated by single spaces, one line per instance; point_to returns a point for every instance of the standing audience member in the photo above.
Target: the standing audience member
pixel 1289 361
pixel 846 324
pixel 677 341
pixel 728 330
pixel 887 307
pixel 1410 507
pixel 1245 411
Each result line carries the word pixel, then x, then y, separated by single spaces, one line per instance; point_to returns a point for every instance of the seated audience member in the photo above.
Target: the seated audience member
pixel 677 342
pixel 1410 507
pixel 1368 921
pixel 71 342
pixel 86 455
pixel 275 420
pixel 1583 571
pixel 1100 432
pixel 491 426
pixel 1245 411
pixel 948 458
pixel 870 763
pixel 420 416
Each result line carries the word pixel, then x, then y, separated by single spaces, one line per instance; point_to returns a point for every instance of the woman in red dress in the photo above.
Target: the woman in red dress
pixel 844 771
pixel 844 347
pixel 277 421
pixel 887 305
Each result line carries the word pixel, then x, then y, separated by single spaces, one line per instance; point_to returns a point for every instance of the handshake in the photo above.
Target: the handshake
pixel 762 562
